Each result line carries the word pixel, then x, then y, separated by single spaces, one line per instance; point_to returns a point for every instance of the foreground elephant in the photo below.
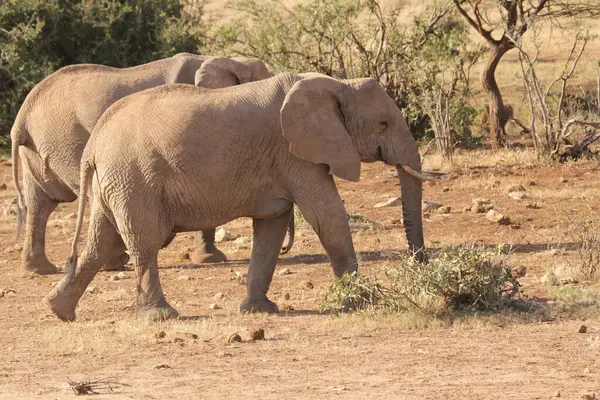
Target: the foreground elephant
pixel 177 159
pixel 55 122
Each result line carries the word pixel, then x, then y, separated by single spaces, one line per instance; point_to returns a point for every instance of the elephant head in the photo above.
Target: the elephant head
pixel 219 72
pixel 344 123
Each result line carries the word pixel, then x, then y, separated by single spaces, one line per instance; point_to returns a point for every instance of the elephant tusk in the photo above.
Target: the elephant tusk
pixel 423 175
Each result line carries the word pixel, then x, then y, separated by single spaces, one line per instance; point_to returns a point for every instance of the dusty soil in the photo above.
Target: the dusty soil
pixel 306 354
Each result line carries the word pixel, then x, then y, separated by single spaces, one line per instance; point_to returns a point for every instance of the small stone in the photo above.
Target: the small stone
pixel 393 202
pixel 184 278
pixel 431 206
pixel 243 242
pixel 185 256
pixel 218 296
pixel 468 208
pixel 3 186
pixel 444 210
pixel 531 183
pixel 286 296
pixel 11 207
pixel 533 206
pixel 446 189
pixel 582 329
pixel 562 179
pixel 239 276
pixel 222 354
pixel 480 206
pixel 285 271
pixel 193 336
pixel 586 371
pixel 161 366
pixel 178 340
pixel 558 394
pixel 160 335
pixel 222 235
pixel 92 290
pixel 306 285
pixel 118 277
pixel 496 217
pixel 258 334
pixel 549 278
pixel 234 337
pixel 214 306
pixel 517 195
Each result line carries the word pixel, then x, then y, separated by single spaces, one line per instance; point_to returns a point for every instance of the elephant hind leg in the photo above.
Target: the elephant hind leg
pixel 268 238
pixel 206 251
pixel 103 244
pixel 39 207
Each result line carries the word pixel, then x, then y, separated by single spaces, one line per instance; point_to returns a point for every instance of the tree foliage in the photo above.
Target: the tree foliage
pixel 39 36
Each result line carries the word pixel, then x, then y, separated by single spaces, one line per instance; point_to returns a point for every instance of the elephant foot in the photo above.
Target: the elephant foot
pixel 61 304
pixel 159 312
pixel 42 267
pixel 118 263
pixel 214 256
pixel 258 305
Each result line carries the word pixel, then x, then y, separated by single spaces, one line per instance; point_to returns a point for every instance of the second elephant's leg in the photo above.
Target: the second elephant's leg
pixel 268 238
pixel 39 208
pixel 206 251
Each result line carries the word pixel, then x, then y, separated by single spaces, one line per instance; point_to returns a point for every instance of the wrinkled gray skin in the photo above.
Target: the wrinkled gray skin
pixel 156 163
pixel 55 122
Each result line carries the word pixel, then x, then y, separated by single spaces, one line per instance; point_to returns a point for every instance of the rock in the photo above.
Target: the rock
pixel 7 292
pixel 239 276
pixel 160 335
pixel 480 206
pixel 444 210
pixel 533 206
pixel 549 278
pixel 92 290
pixel 446 189
pixel 243 242
pixel 118 277
pixel 285 271
pixel 184 278
pixel 515 188
pixel 496 217
pixel 393 202
pixel 531 183
pixel 517 195
pixel 234 337
pixel 557 394
pixel 286 296
pixel 562 179
pixel 306 285
pixel 185 256
pixel 258 334
pixel 586 371
pixel 582 329
pixel 3 186
pixel 468 208
pixel 430 206
pixel 221 235
pixel 214 306
pixel 11 207
pixel 161 366
pixel 218 296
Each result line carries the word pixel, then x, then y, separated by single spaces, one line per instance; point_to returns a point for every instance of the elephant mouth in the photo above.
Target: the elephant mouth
pixel 379 154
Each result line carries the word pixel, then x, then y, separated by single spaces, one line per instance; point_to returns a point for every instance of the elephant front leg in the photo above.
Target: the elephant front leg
pixel 268 238
pixel 206 251
pixel 329 219
pixel 39 208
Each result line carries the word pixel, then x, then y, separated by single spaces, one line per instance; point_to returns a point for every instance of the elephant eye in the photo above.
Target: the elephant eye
pixel 384 125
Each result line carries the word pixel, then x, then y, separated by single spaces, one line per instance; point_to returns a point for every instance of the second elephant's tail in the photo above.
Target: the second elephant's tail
pixel 18 136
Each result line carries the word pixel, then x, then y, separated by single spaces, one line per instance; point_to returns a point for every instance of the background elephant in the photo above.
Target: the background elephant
pixel 209 157
pixel 55 122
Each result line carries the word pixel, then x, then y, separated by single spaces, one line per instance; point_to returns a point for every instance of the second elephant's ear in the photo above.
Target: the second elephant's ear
pixel 220 72
pixel 311 120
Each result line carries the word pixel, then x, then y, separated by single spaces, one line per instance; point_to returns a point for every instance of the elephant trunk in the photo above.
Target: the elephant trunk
pixel 412 195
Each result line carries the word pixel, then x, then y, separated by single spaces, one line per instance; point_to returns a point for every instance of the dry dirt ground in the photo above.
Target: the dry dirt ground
pixel 306 354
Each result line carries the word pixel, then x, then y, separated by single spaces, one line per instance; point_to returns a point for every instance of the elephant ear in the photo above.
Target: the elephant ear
pixel 311 120
pixel 220 72
pixel 258 69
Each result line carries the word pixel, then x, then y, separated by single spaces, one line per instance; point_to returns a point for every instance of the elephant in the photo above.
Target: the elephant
pixel 177 158
pixel 55 122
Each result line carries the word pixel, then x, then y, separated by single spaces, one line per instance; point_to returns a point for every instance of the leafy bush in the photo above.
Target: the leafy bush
pixel 458 278
pixel 39 36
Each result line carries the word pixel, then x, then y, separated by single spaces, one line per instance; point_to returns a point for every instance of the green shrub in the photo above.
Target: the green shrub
pixel 457 278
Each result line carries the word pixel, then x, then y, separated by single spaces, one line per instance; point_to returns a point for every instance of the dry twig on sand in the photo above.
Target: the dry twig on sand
pixel 87 387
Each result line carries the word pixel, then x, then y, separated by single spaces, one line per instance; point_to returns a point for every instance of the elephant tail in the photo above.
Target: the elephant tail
pixel 287 246
pixel 18 137
pixel 87 170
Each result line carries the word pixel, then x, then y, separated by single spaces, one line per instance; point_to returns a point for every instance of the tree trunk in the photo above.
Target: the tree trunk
pixel 497 119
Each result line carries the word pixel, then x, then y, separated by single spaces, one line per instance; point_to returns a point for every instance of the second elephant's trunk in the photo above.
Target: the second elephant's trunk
pixel 412 195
